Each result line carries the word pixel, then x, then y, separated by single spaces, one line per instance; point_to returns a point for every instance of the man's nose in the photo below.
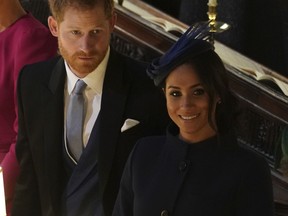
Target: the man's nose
pixel 86 42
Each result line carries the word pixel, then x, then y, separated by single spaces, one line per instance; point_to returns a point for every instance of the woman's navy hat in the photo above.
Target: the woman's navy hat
pixel 192 43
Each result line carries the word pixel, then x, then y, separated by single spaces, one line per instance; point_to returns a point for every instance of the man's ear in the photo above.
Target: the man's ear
pixel 53 26
pixel 112 21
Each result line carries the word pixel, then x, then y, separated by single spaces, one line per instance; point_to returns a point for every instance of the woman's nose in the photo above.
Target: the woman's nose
pixel 187 102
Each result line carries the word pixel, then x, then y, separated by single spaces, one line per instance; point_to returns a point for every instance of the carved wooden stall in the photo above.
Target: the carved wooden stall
pixel 265 111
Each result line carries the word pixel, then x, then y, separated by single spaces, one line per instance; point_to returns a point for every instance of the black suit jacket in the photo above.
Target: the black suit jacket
pixel 127 93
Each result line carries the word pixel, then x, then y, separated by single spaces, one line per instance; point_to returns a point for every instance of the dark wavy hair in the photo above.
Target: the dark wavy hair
pixel 214 77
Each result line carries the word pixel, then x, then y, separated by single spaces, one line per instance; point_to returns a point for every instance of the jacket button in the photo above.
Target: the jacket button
pixel 183 165
pixel 164 213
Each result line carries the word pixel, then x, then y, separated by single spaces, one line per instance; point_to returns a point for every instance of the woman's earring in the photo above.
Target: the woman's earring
pixel 219 102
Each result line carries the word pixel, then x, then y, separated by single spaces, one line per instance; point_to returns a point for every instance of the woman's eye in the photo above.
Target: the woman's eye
pixel 175 93
pixel 199 92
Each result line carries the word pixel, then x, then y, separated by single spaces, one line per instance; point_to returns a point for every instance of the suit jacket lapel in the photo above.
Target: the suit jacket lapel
pixel 53 117
pixel 116 87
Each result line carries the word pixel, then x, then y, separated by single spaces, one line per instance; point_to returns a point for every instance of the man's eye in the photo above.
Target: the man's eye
pixel 75 32
pixel 199 92
pixel 96 31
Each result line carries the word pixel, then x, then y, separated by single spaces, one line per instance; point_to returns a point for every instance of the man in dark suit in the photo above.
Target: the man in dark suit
pixel 120 103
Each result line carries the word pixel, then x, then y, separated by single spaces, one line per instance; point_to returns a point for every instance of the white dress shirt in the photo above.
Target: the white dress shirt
pixel 92 95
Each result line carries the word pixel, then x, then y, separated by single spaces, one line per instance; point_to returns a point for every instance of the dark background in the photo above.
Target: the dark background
pixel 259 28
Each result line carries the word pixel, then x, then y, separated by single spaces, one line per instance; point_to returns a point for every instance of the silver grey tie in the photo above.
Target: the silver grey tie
pixel 75 119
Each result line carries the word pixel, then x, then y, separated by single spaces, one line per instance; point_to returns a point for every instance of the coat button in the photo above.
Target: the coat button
pixel 183 165
pixel 164 213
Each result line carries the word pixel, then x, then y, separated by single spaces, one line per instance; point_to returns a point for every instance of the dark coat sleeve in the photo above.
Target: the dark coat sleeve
pixel 255 193
pixel 125 198
pixel 24 199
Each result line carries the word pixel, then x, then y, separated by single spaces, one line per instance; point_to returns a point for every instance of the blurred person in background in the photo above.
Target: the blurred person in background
pixel 23 40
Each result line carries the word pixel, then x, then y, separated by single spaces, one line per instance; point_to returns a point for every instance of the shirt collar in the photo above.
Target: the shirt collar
pixel 94 80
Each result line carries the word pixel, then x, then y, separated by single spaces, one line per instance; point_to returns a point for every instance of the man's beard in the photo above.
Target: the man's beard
pixel 80 67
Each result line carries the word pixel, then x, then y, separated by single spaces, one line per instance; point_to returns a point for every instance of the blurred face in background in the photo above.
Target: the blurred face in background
pixel 188 104
pixel 83 37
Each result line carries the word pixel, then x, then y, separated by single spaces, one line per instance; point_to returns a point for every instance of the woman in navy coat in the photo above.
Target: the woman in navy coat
pixel 198 167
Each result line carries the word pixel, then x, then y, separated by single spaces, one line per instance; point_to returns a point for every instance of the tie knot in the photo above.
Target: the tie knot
pixel 79 87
